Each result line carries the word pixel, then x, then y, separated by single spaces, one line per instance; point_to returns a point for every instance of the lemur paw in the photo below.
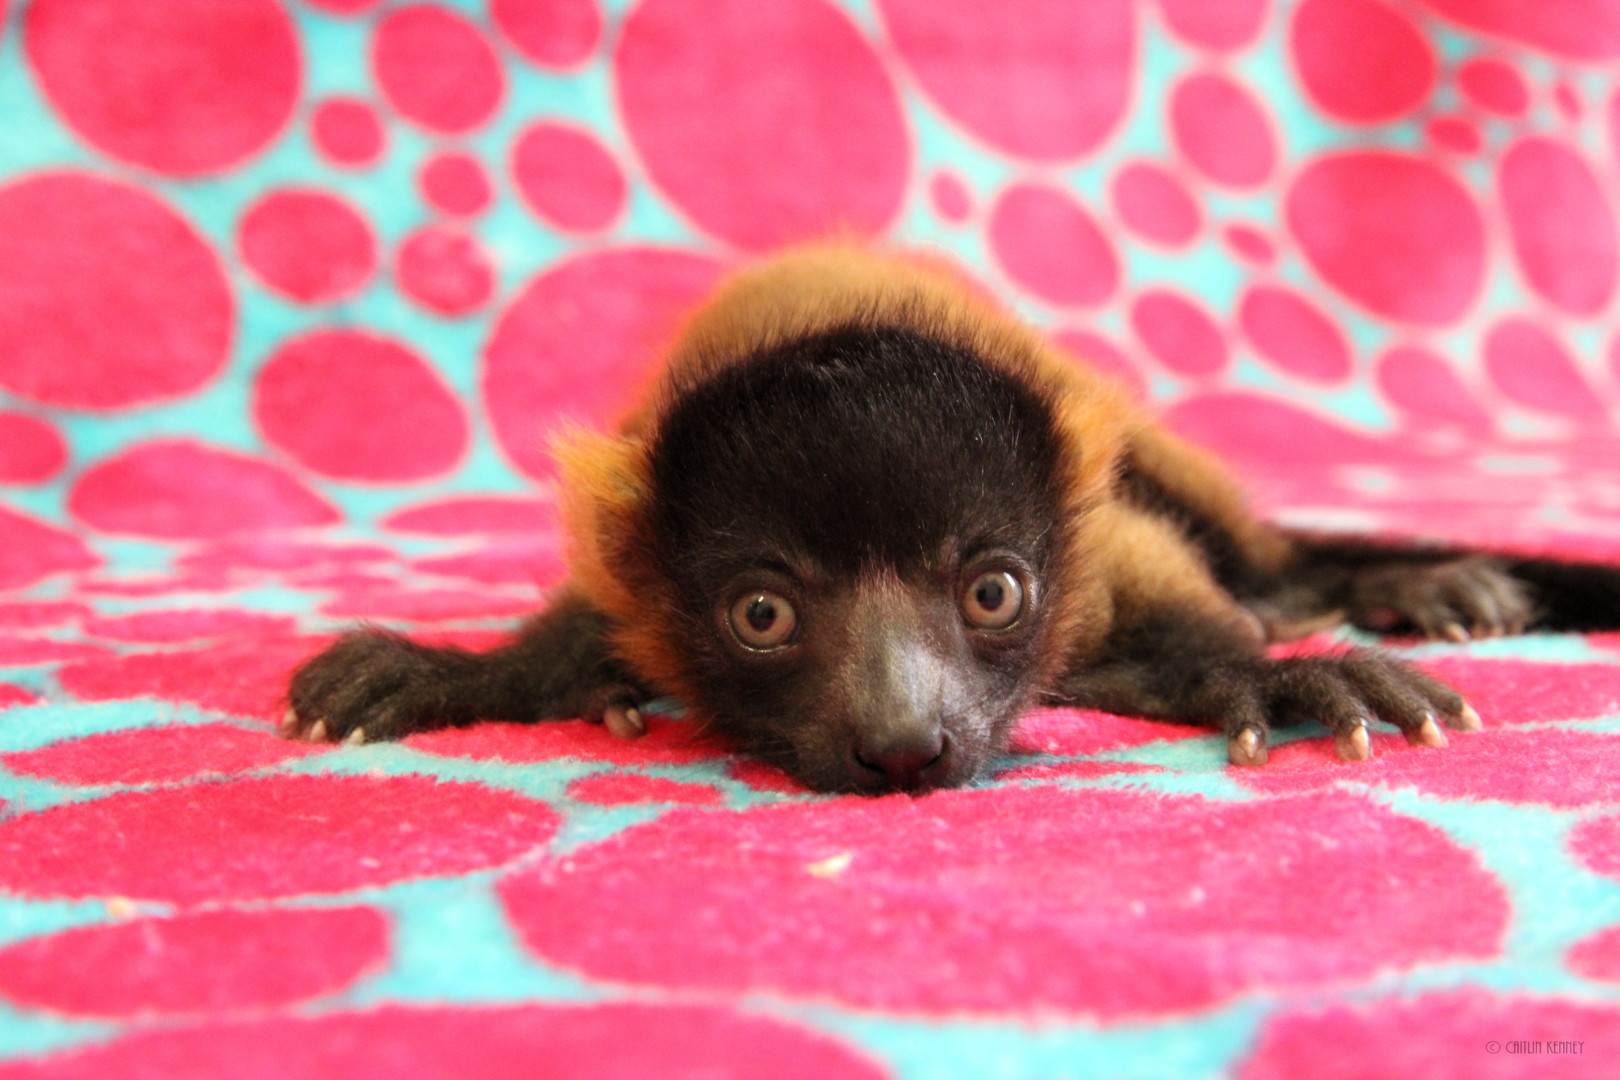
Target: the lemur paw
pixel 617 708
pixel 372 685
pixel 366 687
pixel 1453 601
pixel 1345 693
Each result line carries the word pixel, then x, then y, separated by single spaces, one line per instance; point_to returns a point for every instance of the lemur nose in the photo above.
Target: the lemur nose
pixel 903 761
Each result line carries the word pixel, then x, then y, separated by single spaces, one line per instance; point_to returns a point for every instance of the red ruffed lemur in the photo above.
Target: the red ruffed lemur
pixel 865 520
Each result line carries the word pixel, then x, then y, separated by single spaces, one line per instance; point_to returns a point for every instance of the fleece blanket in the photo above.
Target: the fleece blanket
pixel 291 293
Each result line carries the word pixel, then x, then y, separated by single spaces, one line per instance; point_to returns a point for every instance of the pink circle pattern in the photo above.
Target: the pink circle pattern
pixel 308 246
pixel 347 132
pixel 1392 240
pixel 276 326
pixel 180 87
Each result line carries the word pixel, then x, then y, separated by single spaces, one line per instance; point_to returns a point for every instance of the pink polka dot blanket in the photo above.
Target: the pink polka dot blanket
pixel 291 292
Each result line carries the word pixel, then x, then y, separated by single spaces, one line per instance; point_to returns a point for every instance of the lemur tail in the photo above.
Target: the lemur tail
pixel 1570 596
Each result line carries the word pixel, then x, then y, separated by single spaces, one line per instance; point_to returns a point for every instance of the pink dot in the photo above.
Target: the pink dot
pixel 555 34
pixel 271 553
pixel 455 184
pixel 1155 205
pixel 212 960
pixel 1427 387
pixel 1455 133
pixel 347 131
pixel 1222 131
pixel 150 585
pixel 500 1042
pixel 185 624
pixel 1071 732
pixel 108 299
pixel 155 755
pixel 1036 80
pixel 309 246
pixel 950 196
pixel 667 742
pixel 243 677
pixel 181 490
pixel 435 67
pixel 31 550
pixel 1084 892
pixel 24 651
pixel 1222 27
pixel 357 406
pixel 1249 244
pixel 1597 844
pixel 338 578
pixel 1528 691
pixel 524 563
pixel 1495 86
pixel 470 515
pixel 305 837
pixel 31 450
pixel 182 87
pixel 1578 29
pixel 1530 366
pixel 1614 125
pixel 620 789
pixel 1361 61
pixel 1294 334
pixel 390 601
pixel 1251 428
pixel 445 270
pixel 1048 244
pixel 343 7
pixel 32 614
pixel 1562 226
pixel 1098 352
pixel 566 177
pixel 1411 1036
pixel 10 693
pixel 1178 333
pixel 1392 232
pixel 1081 770
pixel 1568 98
pixel 578 336
pixel 1598 956
pixel 765 777
pixel 1547 768
pixel 763 123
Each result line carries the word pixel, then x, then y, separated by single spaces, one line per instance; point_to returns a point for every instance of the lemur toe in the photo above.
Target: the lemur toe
pixel 1247 748
pixel 625 721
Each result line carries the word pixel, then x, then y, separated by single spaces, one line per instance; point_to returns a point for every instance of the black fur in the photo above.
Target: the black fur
pixel 558 666
pixel 853 447
pixel 1173 666
pixel 866 476
pixel 1394 586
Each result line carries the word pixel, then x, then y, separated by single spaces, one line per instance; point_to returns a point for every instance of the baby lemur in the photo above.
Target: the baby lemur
pixel 865 519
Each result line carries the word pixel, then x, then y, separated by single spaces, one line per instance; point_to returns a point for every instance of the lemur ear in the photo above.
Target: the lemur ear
pixel 606 491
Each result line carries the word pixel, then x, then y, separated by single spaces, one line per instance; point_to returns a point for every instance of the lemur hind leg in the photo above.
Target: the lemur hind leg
pixel 1297 583
pixel 1438 593
pixel 1181 647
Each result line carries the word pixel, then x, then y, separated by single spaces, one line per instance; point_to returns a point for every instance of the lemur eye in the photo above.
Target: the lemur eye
pixel 763 621
pixel 993 600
